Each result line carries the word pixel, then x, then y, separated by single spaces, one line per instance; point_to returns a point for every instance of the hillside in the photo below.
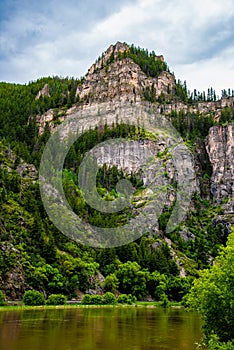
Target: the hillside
pixel 123 81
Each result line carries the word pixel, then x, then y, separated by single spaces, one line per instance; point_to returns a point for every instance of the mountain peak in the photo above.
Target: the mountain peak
pixel 115 51
pixel 125 72
pixel 118 47
pixel 111 53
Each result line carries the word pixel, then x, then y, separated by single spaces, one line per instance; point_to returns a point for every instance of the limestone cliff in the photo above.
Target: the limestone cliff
pixel 122 80
pixel 220 147
pixel 44 92
pixel 115 81
pixel 119 81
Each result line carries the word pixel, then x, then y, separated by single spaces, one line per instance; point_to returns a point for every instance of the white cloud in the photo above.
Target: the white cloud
pixel 194 36
pixel 217 72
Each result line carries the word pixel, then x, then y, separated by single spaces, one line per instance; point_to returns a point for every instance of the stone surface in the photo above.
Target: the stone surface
pixel 27 171
pixel 123 80
pixel 220 147
pixel 14 284
pixel 45 91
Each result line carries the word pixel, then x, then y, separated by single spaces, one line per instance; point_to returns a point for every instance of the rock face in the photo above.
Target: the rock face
pixel 27 171
pixel 214 107
pixel 122 80
pixel 129 156
pixel 113 84
pixel 45 91
pixel 14 284
pixel 145 156
pixel 220 147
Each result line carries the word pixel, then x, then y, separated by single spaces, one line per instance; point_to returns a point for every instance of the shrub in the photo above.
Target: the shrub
pixel 2 298
pixel 122 299
pixel 56 299
pixel 109 298
pixel 126 299
pixel 86 300
pixel 92 299
pixel 33 298
pixel 96 300
pixel 214 344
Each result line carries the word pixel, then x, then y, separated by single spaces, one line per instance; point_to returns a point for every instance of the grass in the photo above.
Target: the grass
pixel 158 303
pixel 22 307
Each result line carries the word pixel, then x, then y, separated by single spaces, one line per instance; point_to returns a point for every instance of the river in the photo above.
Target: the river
pixel 107 328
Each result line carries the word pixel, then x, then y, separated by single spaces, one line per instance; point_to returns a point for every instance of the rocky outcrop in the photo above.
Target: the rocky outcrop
pixel 113 50
pixel 96 284
pixel 130 156
pixel 14 284
pixel 220 147
pixel 27 171
pixel 210 107
pixel 226 223
pixel 45 91
pixel 122 80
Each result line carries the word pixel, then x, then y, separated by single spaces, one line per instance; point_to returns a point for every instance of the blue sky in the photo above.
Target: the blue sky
pixel 55 37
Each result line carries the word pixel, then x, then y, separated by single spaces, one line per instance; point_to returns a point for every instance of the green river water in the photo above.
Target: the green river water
pixel 108 328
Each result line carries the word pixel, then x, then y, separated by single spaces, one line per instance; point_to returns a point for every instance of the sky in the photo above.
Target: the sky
pixel 57 37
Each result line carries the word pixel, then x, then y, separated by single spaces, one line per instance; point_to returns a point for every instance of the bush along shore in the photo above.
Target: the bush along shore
pixel 35 299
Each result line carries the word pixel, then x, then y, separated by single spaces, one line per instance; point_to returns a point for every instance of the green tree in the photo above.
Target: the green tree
pixel 48 279
pixel 157 285
pixel 213 295
pixel 132 279
pixel 111 283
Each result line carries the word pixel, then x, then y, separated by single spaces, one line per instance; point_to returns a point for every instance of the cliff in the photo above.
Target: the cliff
pixel 220 147
pixel 114 81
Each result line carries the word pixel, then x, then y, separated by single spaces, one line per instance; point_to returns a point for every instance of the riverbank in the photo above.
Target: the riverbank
pixel 146 304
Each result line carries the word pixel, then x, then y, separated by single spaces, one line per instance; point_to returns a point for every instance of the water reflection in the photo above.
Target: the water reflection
pixel 125 328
